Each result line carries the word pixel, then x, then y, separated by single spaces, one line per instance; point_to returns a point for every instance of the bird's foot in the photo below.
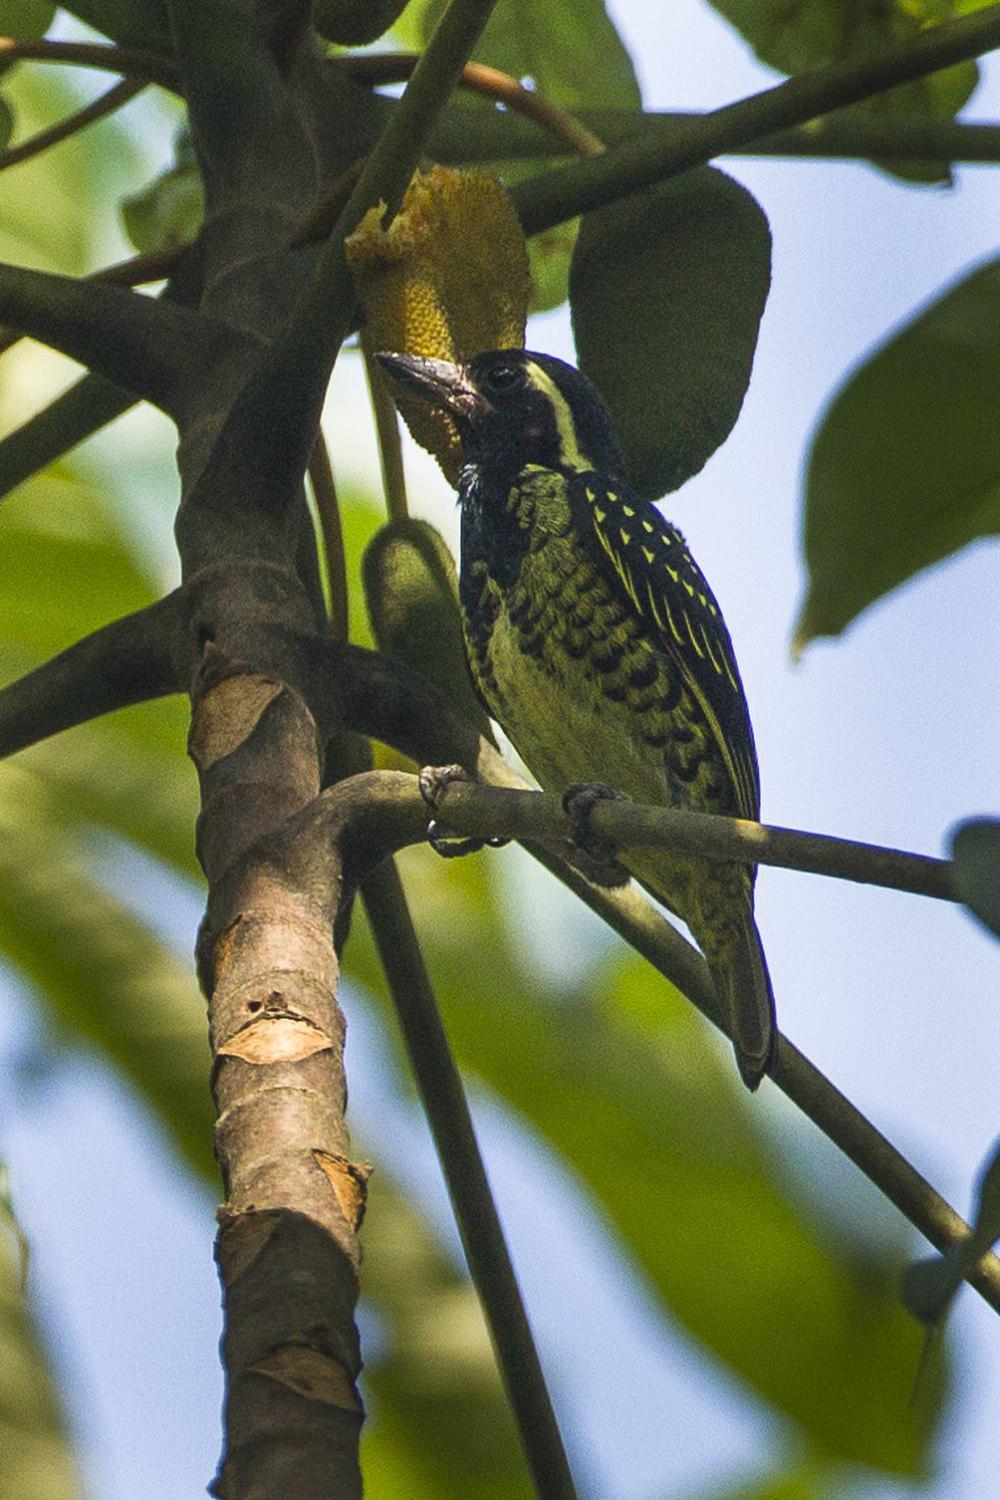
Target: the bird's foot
pixel 432 781
pixel 594 854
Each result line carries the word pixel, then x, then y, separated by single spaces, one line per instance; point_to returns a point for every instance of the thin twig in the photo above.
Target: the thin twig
pixel 490 83
pixel 447 1111
pixel 484 812
pixel 331 526
pixel 97 109
pixel 390 447
pixel 131 62
pixel 551 197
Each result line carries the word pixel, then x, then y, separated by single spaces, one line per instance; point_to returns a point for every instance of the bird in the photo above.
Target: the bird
pixel 595 642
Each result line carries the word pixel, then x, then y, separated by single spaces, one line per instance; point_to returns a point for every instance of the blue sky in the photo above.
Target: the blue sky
pixel 891 996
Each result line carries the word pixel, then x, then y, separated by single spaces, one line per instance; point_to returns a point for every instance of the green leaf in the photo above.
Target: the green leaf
pixel 929 1286
pixel 35 1459
pixel 25 18
pixel 168 212
pixel 411 593
pixel 667 290
pixel 796 38
pixel 904 468
pixel 569 49
pixel 353 23
pixel 975 851
pixel 620 1078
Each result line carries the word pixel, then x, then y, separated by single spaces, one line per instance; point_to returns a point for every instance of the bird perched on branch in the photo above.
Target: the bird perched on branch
pixel 596 643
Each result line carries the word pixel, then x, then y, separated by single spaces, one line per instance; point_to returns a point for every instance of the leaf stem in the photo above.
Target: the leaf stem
pixel 447 1110
pixel 390 447
pixel 490 83
pixel 328 510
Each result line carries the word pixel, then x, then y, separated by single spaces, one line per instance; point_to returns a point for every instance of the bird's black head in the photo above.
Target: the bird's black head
pixel 512 408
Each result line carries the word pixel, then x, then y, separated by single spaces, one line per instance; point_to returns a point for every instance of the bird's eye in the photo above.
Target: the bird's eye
pixel 503 377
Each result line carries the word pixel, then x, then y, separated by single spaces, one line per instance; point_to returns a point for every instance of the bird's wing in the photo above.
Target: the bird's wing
pixel 651 562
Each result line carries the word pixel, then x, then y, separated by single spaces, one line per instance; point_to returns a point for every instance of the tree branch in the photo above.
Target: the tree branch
pixel 447 1110
pixel 551 197
pixel 485 812
pixel 129 61
pixel 152 347
pixel 488 135
pixel 97 109
pixel 127 662
pixel 378 698
pixel 82 410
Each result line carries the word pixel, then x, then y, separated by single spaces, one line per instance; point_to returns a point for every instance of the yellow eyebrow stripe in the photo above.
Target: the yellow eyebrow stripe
pixel 571 455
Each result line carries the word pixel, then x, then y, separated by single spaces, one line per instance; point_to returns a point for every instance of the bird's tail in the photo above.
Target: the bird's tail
pixel 747 999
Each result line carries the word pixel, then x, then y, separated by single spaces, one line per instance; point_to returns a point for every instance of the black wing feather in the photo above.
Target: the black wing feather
pixel 653 566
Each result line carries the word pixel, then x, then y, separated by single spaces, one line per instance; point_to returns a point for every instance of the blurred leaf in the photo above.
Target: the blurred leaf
pixel 25 18
pixel 440 1426
pixel 35 1460
pixel 904 467
pixel 168 212
pixel 568 49
pixel 355 22
pixel 621 1080
pixel 930 1285
pixel 667 290
pixel 796 38
pixel 104 975
pixel 975 850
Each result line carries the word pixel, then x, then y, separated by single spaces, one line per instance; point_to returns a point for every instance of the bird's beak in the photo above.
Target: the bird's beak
pixel 436 382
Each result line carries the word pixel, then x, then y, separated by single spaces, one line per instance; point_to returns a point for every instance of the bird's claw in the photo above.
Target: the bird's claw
pixel 433 780
pixel 578 803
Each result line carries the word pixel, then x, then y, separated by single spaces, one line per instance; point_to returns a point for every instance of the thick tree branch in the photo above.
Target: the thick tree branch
pixel 447 1110
pixel 566 191
pixel 152 347
pixel 127 662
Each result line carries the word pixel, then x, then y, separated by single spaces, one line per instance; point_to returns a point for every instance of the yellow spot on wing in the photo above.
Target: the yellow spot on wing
pixel 648 526
pixel 694 639
pixel 647 554
pixel 626 536
pixel 629 510
pixel 599 515
pixel 673 573
pixel 708 648
pixel 689 587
